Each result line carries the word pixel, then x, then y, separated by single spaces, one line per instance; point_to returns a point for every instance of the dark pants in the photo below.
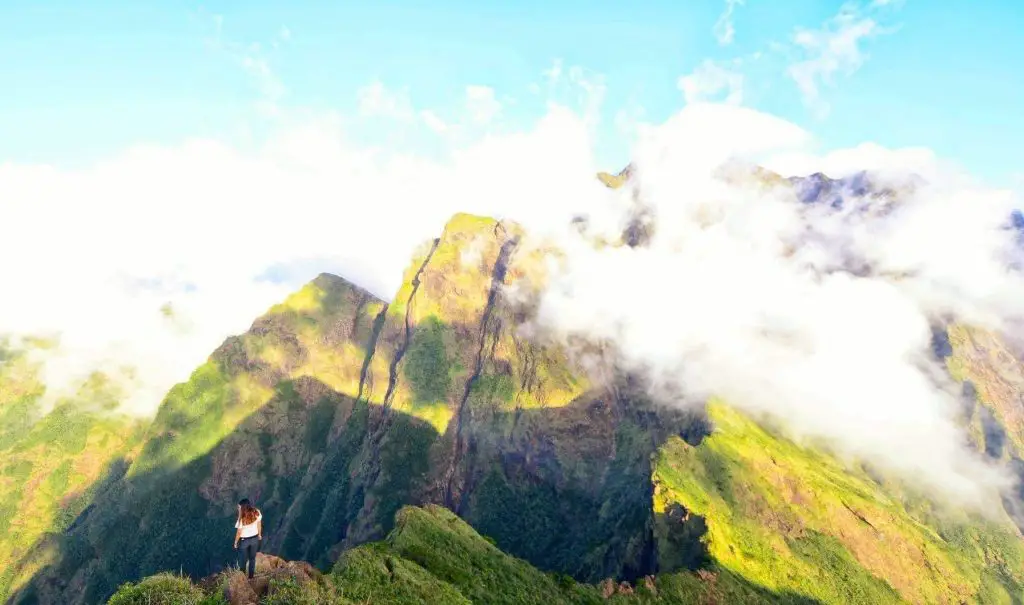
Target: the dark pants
pixel 247 548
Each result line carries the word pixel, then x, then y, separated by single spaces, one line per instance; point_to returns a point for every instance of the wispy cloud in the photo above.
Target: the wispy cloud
pixel 377 100
pixel 480 108
pixel 724 29
pixel 254 60
pixel 554 73
pixel 710 81
pixel 574 86
pixel 835 48
pixel 482 104
pixel 271 88
pixel 433 121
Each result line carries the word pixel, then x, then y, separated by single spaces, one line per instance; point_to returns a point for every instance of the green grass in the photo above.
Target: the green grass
pixel 376 573
pixel 462 563
pixel 163 589
pixel 794 520
pixel 287 591
pixel 426 363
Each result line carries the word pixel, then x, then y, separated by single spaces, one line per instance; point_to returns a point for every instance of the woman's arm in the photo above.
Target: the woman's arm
pixel 238 535
pixel 259 527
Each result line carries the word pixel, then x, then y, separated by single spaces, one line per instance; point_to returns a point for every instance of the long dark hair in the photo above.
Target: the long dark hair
pixel 247 513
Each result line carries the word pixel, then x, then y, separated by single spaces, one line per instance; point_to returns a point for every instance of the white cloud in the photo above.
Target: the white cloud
pixel 480 108
pixel 629 120
pixel 835 48
pixel 592 89
pixel 255 63
pixel 866 156
pixel 433 122
pixel 553 74
pixel 574 86
pixel 711 82
pixel 724 29
pixel 748 294
pixel 481 104
pixel 377 100
pixel 270 87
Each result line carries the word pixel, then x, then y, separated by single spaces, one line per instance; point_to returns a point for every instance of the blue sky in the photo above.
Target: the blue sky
pixel 83 81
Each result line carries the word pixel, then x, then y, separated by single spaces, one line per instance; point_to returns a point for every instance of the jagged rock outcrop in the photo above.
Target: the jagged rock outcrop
pixel 238 589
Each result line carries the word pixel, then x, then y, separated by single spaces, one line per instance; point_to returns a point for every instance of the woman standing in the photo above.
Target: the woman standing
pixel 248 534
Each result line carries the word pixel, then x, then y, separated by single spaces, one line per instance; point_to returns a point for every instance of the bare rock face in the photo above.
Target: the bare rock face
pixel 266 564
pixel 238 591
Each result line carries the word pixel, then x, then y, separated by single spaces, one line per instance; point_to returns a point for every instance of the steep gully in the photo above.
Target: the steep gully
pixel 371 348
pixel 459 445
pixel 378 431
pixel 407 337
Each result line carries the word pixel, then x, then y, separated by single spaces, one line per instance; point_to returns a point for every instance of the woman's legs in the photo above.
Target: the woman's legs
pixel 250 553
pixel 240 554
pixel 247 555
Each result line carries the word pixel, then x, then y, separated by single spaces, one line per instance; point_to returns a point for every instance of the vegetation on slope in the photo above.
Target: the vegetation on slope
pixel 793 519
pixel 996 376
pixel 52 464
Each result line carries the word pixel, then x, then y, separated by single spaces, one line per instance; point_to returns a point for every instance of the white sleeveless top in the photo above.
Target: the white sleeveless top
pixel 250 530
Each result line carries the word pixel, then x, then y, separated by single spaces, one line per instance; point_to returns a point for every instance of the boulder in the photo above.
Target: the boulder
pixel 238 591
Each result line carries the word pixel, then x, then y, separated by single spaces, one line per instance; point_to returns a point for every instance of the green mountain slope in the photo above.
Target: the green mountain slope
pixel 790 518
pixel 51 464
pixel 336 409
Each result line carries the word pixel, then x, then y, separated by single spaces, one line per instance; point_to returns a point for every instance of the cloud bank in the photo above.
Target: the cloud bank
pixel 815 315
pixel 151 258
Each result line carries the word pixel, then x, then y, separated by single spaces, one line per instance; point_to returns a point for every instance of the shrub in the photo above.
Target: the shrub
pixel 163 589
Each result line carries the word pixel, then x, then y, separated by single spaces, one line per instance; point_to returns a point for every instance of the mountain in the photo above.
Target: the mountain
pixel 336 410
